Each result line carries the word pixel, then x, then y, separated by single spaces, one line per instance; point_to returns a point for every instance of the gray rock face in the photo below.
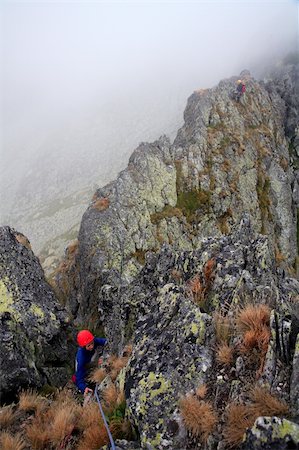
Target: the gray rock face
pixel 174 335
pixel 34 327
pixel 229 158
pixel 272 433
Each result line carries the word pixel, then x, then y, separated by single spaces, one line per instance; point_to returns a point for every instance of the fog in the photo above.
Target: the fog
pixel 84 82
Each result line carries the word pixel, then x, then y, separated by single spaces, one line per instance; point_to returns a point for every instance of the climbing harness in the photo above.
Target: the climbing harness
pixel 104 418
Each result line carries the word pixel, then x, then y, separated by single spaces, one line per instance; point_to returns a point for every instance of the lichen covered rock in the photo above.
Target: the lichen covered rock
pixel 34 327
pixel 272 433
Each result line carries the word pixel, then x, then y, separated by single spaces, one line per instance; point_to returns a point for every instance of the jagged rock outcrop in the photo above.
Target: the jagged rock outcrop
pixel 171 219
pixel 229 157
pixel 34 333
pixel 175 341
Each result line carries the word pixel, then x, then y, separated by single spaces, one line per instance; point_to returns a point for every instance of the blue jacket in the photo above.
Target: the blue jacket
pixel 83 357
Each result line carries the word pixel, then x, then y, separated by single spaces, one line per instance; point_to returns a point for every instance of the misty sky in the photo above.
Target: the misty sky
pixel 63 62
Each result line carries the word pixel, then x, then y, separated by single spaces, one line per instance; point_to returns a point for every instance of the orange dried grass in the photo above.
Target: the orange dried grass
pixel 201 391
pixel 31 401
pixel 10 442
pixel 65 419
pixel 239 418
pixel 208 271
pixel 198 416
pixel 94 438
pixel 98 375
pixel 196 289
pixel 253 317
pixel 38 435
pixel 110 396
pixel 224 354
pixel 91 416
pixel 101 204
pixel 266 404
pixel 7 416
pixel 253 322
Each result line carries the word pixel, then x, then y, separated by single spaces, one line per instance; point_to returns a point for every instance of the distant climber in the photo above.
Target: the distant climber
pixel 86 355
pixel 241 88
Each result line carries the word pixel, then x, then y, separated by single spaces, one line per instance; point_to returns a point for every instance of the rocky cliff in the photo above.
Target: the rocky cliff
pixel 186 239
pixel 229 157
pixel 35 335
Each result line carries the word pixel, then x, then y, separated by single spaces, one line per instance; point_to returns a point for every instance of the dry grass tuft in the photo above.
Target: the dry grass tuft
pixel 98 375
pixel 72 247
pixel 198 416
pixel 253 322
pixel 65 419
pixel 101 204
pixel 38 435
pixel 31 401
pixel 224 354
pixel 176 275
pixel 196 289
pixel 121 429
pixel 201 391
pixel 266 404
pixel 239 418
pixel 127 352
pixel 10 442
pixel 110 396
pixel 23 240
pixel 90 417
pixel 208 272
pixel 94 438
pixel 7 416
pixel 253 317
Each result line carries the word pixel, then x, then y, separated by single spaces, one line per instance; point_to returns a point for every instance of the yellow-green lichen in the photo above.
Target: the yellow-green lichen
pixel 37 311
pixel 7 299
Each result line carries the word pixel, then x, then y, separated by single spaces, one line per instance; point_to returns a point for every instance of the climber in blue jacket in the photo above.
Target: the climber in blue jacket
pixel 86 351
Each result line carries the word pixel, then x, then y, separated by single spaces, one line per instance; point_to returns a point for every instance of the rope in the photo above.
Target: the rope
pixel 104 419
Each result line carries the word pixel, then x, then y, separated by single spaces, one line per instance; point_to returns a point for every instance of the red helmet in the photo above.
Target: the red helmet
pixel 84 337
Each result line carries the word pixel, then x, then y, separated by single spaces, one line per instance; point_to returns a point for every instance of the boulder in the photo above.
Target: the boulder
pixel 35 334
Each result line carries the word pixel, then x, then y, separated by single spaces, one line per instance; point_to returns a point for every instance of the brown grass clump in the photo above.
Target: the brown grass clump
pixel 98 375
pixel 253 317
pixel 7 416
pixel 208 272
pixel 91 416
pixel 224 354
pixel 201 391
pixel 31 401
pixel 198 416
pixel 117 365
pixel 239 418
pixel 10 442
pixel 72 247
pixel 197 290
pixel 38 434
pixel 101 204
pixel 127 352
pixel 23 240
pixel 253 322
pixel 65 419
pixel 176 275
pixel 266 404
pixel 121 429
pixel 94 438
pixel 110 396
